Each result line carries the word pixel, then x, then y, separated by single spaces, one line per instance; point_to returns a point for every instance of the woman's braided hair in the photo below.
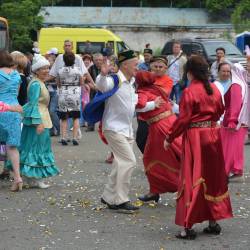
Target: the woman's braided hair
pixel 198 67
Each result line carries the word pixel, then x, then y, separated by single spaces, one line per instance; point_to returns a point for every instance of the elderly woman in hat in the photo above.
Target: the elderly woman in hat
pixel 36 157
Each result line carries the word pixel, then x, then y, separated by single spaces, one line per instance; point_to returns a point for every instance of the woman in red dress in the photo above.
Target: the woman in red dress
pixel 203 192
pixel 162 169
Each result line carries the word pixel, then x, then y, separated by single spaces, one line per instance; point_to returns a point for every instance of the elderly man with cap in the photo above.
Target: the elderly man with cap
pixel 158 65
pixel 117 128
pixel 148 54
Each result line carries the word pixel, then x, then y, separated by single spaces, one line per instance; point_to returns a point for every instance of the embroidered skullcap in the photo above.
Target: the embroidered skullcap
pixel 149 51
pixel 38 62
pixel 126 55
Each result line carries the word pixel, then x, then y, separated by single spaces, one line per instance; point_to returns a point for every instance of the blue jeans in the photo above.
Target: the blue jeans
pixel 176 92
pixel 53 107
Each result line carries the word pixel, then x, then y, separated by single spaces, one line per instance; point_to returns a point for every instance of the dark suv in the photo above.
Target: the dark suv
pixel 207 48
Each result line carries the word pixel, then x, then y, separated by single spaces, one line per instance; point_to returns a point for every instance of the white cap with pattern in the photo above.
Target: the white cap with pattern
pixel 38 62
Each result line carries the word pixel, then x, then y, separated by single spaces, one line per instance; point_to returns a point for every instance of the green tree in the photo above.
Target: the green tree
pixel 241 17
pixel 24 19
pixel 216 6
pixel 238 10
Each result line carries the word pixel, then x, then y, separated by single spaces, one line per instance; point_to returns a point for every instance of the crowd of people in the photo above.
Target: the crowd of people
pixel 192 119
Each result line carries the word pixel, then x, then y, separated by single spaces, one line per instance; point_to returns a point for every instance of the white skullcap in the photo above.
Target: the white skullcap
pixel 38 62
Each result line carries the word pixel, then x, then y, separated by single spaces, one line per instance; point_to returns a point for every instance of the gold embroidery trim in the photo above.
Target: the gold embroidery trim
pixel 163 164
pixel 207 196
pixel 159 117
pixel 204 124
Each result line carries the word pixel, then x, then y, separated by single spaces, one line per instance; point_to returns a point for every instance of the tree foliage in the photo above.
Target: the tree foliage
pixel 241 16
pixel 239 11
pixel 24 20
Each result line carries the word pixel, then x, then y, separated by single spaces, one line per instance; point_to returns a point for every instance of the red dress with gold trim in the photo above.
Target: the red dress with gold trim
pixel 203 191
pixel 162 167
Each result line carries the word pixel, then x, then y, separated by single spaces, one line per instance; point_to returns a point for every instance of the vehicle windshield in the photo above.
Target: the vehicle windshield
pixel 231 50
pixel 121 46
pixel 89 47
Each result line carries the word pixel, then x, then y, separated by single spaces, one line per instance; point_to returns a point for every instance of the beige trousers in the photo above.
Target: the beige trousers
pixel 117 190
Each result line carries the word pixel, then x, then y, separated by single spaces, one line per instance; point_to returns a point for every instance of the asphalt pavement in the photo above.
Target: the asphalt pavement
pixel 69 215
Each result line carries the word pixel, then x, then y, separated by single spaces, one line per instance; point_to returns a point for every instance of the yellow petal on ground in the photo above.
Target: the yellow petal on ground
pixel 138 203
pixel 153 205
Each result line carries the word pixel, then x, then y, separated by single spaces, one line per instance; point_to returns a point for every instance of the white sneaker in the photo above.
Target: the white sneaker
pixel 41 184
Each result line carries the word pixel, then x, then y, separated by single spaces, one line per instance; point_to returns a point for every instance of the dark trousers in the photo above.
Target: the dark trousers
pixel 141 135
pixel 92 95
pixel 53 107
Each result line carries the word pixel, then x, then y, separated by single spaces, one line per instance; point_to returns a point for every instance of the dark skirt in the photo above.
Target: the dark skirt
pixel 70 114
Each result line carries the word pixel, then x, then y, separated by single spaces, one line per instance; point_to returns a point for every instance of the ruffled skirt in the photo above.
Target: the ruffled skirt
pixel 36 157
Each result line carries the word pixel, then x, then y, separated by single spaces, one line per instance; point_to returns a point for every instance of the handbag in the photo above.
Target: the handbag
pixel 3 152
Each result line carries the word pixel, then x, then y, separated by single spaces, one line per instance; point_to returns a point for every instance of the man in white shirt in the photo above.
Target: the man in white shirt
pixel 117 128
pixel 176 64
pixel 59 63
pixel 220 58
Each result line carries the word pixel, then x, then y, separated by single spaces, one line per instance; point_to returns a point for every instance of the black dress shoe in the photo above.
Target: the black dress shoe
pixel 216 229
pixel 148 197
pixel 190 234
pixel 114 207
pixel 75 142
pixel 64 142
pixel 127 206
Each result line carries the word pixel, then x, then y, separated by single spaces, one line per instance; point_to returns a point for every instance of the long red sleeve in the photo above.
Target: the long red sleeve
pixel 142 100
pixel 185 116
pixel 233 104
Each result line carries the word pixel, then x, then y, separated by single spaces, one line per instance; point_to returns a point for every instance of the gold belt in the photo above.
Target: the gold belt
pixel 159 117
pixel 205 124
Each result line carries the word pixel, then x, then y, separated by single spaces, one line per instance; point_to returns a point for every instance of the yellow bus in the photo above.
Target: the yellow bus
pixel 84 39
pixel 4 34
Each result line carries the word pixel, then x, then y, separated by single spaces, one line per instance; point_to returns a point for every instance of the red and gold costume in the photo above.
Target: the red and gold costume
pixel 162 167
pixel 203 191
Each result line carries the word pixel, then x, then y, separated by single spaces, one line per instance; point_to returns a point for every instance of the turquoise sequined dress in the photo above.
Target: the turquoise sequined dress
pixel 10 122
pixel 36 157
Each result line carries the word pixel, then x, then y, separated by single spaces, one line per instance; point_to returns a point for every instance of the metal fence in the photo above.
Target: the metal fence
pixel 129 3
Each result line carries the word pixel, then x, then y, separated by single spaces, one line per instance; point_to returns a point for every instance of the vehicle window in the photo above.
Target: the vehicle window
pixel 187 48
pixel 167 50
pixel 231 49
pixel 197 49
pixel 110 46
pixel 121 46
pixel 89 47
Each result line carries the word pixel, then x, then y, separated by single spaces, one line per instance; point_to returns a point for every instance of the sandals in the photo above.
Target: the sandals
pixel 216 229
pixel 190 234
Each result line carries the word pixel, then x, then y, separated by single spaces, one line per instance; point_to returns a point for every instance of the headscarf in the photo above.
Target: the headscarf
pixel 238 78
pixel 38 62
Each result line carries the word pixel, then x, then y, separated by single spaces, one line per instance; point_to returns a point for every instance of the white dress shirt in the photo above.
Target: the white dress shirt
pixel 120 107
